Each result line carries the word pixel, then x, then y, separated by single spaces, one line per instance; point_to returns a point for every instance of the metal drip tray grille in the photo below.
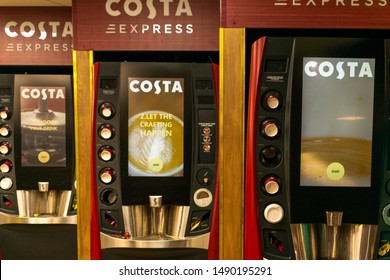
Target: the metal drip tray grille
pixel 345 242
pixel 53 203
pixel 163 223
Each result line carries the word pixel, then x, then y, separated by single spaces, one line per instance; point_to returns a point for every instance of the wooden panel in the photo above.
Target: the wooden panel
pixel 141 25
pixel 82 61
pixel 36 36
pixel 349 14
pixel 232 142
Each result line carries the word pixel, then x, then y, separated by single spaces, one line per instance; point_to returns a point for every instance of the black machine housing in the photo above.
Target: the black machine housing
pixel 200 161
pixel 279 156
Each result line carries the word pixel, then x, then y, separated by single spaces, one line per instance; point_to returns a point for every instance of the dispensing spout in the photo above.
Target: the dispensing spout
pixel 332 235
pixel 43 186
pixel 155 201
pixel 334 218
pixel 157 215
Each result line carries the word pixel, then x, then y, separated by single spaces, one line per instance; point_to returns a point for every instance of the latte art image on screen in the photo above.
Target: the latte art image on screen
pixel 155 146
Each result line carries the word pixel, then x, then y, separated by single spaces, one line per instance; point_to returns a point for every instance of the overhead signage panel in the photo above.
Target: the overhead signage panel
pixel 36 36
pixel 361 14
pixel 146 24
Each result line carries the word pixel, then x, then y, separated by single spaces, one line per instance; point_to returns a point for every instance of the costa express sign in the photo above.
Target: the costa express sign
pixel 36 36
pixel 370 14
pixel 146 24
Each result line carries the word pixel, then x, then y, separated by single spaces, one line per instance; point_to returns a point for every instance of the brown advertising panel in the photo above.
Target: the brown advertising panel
pixel 360 14
pixel 36 36
pixel 146 25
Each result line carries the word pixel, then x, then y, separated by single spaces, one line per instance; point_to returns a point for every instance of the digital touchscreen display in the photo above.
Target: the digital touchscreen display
pixel 43 126
pixel 155 126
pixel 337 121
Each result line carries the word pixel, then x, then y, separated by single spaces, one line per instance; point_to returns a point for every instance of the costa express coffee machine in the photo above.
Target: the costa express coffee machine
pixel 156 159
pixel 37 192
pixel 318 149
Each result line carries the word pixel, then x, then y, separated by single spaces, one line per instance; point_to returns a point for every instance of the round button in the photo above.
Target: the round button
pixel 270 156
pixel 107 110
pixel 386 214
pixel 6 183
pixel 109 197
pixel 106 153
pixel 205 176
pixel 106 132
pixel 272 100
pixel 107 175
pixel 5 148
pixel 5 166
pixel 5 130
pixel 43 157
pixel 203 197
pixel 274 213
pixel 388 187
pixel 5 113
pixel 270 128
pixel 272 185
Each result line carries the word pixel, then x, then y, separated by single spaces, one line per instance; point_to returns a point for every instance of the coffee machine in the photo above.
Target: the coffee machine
pixel 38 194
pixel 155 159
pixel 317 171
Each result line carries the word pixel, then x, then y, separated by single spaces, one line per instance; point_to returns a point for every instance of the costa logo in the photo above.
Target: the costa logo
pixel 28 29
pixel 340 69
pixel 155 86
pixel 134 8
pixel 43 93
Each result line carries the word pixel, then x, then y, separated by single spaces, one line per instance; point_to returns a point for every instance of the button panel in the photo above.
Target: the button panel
pixel 269 146
pixel 8 201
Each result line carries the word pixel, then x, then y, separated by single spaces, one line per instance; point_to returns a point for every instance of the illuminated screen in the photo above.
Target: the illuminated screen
pixel 337 121
pixel 155 127
pixel 43 126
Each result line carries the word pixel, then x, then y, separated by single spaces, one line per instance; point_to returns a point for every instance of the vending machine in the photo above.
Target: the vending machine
pixel 318 164
pixel 155 158
pixel 37 186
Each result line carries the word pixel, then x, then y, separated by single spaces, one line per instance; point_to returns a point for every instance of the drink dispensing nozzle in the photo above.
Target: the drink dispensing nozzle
pixel 157 215
pixel 43 186
pixel 330 248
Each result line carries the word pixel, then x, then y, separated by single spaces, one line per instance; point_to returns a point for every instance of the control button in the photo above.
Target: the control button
pixel 272 100
pixel 107 110
pixel 206 139
pixel 106 153
pixel 203 197
pixel 270 156
pixel 5 166
pixel 270 128
pixel 6 183
pixel 206 130
pixel 271 185
pixel 5 113
pixel 386 214
pixel 107 175
pixel 109 197
pixel 5 148
pixel 106 131
pixel 273 213
pixel 5 130
pixel 205 176
pixel 206 147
